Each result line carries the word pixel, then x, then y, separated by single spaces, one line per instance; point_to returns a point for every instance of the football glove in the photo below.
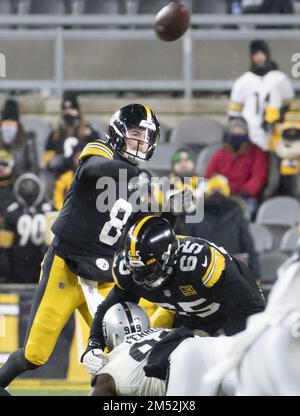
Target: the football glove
pixel 94 360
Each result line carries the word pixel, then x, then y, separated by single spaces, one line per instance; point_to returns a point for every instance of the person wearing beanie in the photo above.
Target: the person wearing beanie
pixel 72 130
pixel 243 163
pixel 13 138
pixel 261 95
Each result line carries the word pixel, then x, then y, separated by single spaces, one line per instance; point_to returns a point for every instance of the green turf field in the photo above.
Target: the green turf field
pixel 48 388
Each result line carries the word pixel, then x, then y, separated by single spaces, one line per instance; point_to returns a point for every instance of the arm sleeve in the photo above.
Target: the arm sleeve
pixel 260 168
pixel 116 295
pixel 96 166
pixel 242 300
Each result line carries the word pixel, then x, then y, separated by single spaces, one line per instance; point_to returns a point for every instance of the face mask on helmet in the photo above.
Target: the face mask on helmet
pixel 154 275
pixel 134 132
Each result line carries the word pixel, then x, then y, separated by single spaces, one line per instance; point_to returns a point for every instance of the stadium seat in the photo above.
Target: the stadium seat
pixel 269 263
pixel 132 6
pixel 161 159
pixel 48 7
pixel 289 240
pixel 262 237
pixel 204 158
pixel 23 7
pixel 152 7
pixel 102 7
pixel 279 214
pixel 211 6
pixel 77 6
pixel 6 7
pixel 41 130
pixel 197 132
pixel 164 133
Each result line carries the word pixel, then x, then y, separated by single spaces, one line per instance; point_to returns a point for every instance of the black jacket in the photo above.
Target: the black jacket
pixel 225 225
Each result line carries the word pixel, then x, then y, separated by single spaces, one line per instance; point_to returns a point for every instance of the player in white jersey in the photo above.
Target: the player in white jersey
pixel 266 356
pixel 150 362
pixel 260 94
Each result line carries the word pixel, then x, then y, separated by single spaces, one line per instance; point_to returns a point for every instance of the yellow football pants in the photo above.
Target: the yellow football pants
pixel 56 299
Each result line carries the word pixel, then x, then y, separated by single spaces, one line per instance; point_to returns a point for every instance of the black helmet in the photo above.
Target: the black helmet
pixel 134 115
pixel 150 251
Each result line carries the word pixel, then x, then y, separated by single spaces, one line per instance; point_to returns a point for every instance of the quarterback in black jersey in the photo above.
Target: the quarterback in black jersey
pixel 86 237
pixel 198 284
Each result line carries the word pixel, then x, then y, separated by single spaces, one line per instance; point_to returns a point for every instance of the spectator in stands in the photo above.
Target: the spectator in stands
pixel 243 163
pixel 268 6
pixel 6 197
pixel 261 95
pixel 73 129
pixel 286 145
pixel 182 175
pixel 63 182
pixel 13 138
pixel 25 227
pixel 224 223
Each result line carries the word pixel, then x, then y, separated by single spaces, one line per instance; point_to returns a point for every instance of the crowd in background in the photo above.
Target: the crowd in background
pixel 259 128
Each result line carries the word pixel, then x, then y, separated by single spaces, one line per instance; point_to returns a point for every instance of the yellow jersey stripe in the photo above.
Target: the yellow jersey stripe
pixel 116 280
pixel 135 233
pixel 216 268
pixel 235 106
pixel 6 239
pixel 48 155
pixel 93 151
pixel 9 299
pixel 103 146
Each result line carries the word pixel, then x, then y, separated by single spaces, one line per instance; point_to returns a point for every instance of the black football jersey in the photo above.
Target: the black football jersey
pixel 209 290
pixel 28 226
pixel 85 231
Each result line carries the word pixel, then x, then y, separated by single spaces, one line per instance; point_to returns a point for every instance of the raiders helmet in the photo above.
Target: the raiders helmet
pixel 123 319
pixel 134 116
pixel 150 251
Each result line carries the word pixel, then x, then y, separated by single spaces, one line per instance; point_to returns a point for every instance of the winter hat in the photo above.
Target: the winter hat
pixel 10 110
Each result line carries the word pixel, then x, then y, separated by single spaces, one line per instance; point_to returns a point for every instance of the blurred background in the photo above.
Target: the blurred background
pixel 226 95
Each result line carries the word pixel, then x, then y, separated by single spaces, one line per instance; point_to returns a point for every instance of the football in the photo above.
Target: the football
pixel 172 21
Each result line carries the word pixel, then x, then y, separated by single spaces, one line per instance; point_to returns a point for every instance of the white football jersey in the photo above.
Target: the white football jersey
pixel 126 363
pixel 250 96
pixel 266 354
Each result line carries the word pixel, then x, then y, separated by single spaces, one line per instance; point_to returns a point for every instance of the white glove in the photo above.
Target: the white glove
pixel 94 360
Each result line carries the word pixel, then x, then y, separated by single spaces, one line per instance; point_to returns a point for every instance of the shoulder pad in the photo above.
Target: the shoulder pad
pixel 97 148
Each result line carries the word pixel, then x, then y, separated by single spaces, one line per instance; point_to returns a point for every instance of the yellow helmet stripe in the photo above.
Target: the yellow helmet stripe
pixel 149 114
pixel 135 234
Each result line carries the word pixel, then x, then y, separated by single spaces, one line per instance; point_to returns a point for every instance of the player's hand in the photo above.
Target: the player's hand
pixel 94 360
pixel 182 202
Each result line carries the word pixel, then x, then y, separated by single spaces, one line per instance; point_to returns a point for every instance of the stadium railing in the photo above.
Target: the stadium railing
pixel 122 53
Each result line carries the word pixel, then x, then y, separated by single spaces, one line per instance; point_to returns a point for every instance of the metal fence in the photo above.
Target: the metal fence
pixel 122 53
